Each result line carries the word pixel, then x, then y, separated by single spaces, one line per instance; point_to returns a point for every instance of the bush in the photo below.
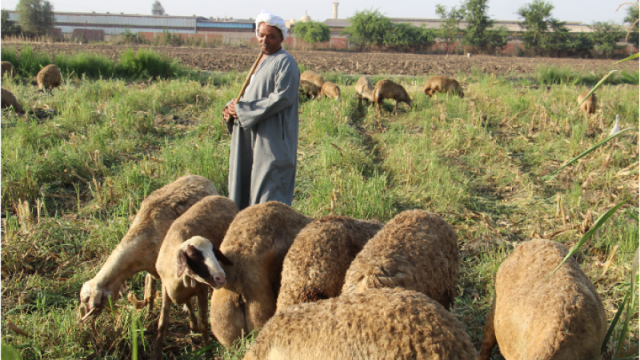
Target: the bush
pixel 28 63
pixel 146 63
pixel 91 65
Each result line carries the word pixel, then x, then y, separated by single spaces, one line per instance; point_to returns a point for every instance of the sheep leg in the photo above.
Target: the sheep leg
pixel 488 335
pixel 163 322
pixel 395 109
pixel 202 296
pixel 192 317
pixel 149 293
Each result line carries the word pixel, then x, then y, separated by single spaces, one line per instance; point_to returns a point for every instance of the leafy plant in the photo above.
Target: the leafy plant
pixel 368 27
pixel 605 36
pixel 312 32
pixel 450 27
pixel 35 16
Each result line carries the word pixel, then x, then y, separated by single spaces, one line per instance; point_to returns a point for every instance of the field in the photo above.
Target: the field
pixel 73 178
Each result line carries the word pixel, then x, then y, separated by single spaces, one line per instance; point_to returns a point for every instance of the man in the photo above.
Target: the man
pixel 264 123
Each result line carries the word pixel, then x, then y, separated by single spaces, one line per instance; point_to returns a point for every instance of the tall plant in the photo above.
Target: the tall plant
pixel 450 26
pixel 35 16
pixel 368 27
pixel 312 32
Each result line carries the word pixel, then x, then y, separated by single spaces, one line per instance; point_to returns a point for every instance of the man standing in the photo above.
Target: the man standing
pixel 264 123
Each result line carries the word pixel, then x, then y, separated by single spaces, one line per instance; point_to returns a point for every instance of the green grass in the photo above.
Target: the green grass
pixel 479 162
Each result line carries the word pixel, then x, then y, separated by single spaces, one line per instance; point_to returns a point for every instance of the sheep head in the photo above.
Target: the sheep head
pixel 199 258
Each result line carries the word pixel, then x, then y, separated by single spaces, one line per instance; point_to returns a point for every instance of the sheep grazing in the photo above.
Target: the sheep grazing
pixel 9 100
pixel 536 315
pixel 442 84
pixel 138 249
pixel 257 241
pixel 364 90
pixel 416 250
pixel 7 68
pixel 330 90
pixel 308 89
pixel 188 261
pixel 375 324
pixel 48 78
pixel 589 105
pixel 387 89
pixel 317 262
pixel 312 77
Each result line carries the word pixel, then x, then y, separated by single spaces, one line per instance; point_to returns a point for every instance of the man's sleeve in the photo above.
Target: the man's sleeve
pixel 251 113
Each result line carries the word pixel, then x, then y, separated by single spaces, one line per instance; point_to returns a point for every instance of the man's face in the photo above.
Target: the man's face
pixel 270 38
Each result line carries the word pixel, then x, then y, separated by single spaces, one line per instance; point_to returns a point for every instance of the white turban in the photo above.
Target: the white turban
pixel 272 20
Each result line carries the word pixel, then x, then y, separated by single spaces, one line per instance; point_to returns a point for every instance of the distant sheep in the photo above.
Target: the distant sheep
pixel 9 100
pixel 188 261
pixel 138 249
pixel 536 315
pixel 48 78
pixel 317 262
pixel 364 90
pixel 377 324
pixel 387 89
pixel 330 90
pixel 589 106
pixel 308 89
pixel 442 84
pixel 256 243
pixel 7 68
pixel 312 77
pixel 416 250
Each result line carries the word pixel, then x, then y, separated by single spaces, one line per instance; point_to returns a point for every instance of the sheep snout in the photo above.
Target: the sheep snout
pixel 201 264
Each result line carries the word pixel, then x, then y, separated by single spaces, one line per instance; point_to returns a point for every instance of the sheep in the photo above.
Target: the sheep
pixel 442 84
pixel 312 77
pixel 188 261
pixel 257 241
pixel 9 100
pixel 7 68
pixel 138 249
pixel 364 90
pixel 416 250
pixel 317 262
pixel 48 78
pixel 589 105
pixel 309 89
pixel 330 90
pixel 387 89
pixel 375 324
pixel 536 315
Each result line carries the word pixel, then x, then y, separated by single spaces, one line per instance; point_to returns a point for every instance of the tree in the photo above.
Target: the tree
pixel 537 20
pixel 450 27
pixel 157 9
pixel 35 16
pixel 632 18
pixel 478 33
pixel 312 32
pixel 406 36
pixel 368 27
pixel 9 27
pixel 605 36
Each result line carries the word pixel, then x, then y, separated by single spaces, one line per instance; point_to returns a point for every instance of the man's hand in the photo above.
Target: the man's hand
pixel 229 111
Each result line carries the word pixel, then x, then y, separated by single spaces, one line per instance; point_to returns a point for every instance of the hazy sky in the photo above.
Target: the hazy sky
pixel 586 11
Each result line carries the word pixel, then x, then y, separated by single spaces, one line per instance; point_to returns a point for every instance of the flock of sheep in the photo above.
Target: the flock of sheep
pixel 340 288
pixel 48 78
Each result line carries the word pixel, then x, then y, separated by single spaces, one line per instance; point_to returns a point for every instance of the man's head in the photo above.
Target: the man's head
pixel 270 38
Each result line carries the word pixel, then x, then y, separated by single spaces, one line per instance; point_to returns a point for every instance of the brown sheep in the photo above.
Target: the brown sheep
pixel 387 89
pixel 188 261
pixel 589 105
pixel 48 78
pixel 317 262
pixel 376 324
pixel 7 68
pixel 138 249
pixel 536 315
pixel 312 77
pixel 309 89
pixel 442 84
pixel 364 90
pixel 330 90
pixel 416 250
pixel 9 100
pixel 256 243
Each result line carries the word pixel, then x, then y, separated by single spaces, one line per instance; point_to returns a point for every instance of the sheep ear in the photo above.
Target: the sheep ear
pixel 182 263
pixel 221 258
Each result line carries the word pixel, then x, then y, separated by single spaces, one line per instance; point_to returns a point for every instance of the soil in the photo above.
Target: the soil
pixel 367 63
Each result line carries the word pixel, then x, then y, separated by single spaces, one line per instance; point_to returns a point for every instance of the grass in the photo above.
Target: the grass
pixel 71 184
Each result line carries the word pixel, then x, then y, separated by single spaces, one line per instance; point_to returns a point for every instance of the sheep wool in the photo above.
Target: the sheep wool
pixel 317 262
pixel 416 250
pixel 311 76
pixel 375 324
pixel 9 100
pixel 442 84
pixel 256 243
pixel 536 315
pixel 364 90
pixel 589 105
pixel 387 89
pixel 7 68
pixel 48 78
pixel 330 90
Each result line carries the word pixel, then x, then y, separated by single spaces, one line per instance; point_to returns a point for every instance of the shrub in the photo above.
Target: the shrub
pixel 146 63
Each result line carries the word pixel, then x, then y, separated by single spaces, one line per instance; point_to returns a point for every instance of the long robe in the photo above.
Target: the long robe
pixel 264 137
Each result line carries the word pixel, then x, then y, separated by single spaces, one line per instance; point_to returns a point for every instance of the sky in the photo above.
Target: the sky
pixel 585 11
